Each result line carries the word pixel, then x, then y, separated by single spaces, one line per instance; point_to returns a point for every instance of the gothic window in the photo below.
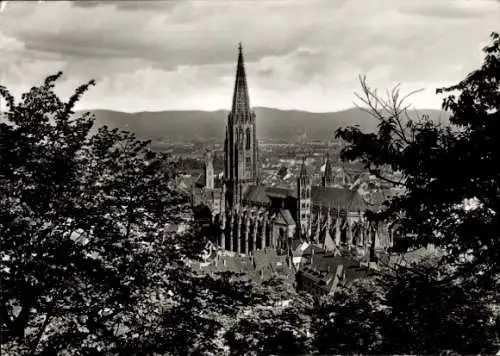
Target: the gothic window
pixel 248 164
pixel 248 141
pixel 308 192
pixel 303 194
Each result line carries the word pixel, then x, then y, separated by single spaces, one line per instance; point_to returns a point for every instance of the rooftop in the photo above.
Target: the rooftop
pixel 338 198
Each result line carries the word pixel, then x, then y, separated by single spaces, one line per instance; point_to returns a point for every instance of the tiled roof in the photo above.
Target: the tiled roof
pixel 185 183
pixel 268 259
pixel 282 193
pixel 237 264
pixel 257 194
pixel 329 263
pixel 321 278
pixel 262 265
pixel 354 272
pixel 411 257
pixel 299 251
pixel 309 250
pixel 287 217
pixel 200 180
pixel 326 263
pixel 337 198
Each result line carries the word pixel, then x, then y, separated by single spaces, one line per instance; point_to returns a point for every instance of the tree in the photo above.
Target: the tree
pixel 439 170
pixel 83 217
pixel 408 311
pixel 279 325
pixel 87 263
pixel 441 167
pixel 352 321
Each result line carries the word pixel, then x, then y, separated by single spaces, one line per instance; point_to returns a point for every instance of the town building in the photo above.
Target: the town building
pixel 252 216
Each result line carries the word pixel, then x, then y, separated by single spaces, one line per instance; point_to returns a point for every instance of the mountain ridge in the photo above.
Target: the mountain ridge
pixel 273 125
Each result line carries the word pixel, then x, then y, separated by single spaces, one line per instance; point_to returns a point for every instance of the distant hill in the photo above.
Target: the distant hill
pixel 272 124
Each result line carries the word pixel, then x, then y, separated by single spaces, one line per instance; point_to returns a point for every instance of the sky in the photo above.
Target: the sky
pixel 181 55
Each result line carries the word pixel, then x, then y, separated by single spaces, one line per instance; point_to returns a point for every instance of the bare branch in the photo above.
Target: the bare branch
pixel 388 180
pixel 393 109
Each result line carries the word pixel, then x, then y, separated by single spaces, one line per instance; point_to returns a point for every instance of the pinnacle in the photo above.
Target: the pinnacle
pixel 241 102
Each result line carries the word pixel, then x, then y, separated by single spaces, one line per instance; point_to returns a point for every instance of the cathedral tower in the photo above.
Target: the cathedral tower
pixel 240 145
pixel 304 202
pixel 327 179
pixel 209 170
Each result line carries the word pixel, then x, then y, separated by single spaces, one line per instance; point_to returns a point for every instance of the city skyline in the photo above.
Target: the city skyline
pixel 172 55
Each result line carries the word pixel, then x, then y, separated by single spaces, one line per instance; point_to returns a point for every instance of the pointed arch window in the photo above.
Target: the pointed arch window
pixel 248 139
pixel 240 137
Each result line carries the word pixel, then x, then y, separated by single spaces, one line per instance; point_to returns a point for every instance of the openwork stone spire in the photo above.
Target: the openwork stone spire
pixel 303 169
pixel 328 174
pixel 240 147
pixel 241 101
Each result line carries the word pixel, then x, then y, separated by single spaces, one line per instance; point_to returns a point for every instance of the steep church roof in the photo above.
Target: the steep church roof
pixel 281 193
pixel 241 100
pixel 257 194
pixel 339 198
pixel 201 180
pixel 285 218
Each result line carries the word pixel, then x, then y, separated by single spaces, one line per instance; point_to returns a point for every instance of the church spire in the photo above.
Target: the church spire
pixel 241 146
pixel 241 101
pixel 328 173
pixel 303 169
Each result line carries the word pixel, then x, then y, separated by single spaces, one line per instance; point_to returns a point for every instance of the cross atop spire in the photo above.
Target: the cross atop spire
pixel 241 101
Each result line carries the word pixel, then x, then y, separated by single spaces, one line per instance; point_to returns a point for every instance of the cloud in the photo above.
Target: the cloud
pixel 446 10
pixel 129 5
pixel 181 54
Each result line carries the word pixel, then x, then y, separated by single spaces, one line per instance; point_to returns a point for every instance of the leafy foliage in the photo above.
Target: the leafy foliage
pixel 84 243
pixel 440 170
pixel 442 166
pixel 88 265
pixel 279 326
pixel 416 311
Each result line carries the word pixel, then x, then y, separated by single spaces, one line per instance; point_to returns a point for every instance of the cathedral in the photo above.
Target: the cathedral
pixel 250 216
